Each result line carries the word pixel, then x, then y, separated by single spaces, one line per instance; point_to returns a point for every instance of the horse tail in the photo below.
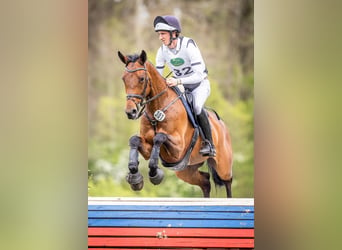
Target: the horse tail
pixel 214 111
pixel 217 179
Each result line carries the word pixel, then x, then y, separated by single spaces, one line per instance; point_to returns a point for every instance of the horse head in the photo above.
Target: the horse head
pixel 137 83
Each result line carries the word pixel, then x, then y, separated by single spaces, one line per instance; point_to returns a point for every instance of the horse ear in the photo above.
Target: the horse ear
pixel 122 57
pixel 143 56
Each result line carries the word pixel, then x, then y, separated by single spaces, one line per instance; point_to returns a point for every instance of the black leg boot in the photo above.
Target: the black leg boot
pixel 207 148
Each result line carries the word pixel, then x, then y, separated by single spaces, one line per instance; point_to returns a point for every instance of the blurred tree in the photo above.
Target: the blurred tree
pixel 223 29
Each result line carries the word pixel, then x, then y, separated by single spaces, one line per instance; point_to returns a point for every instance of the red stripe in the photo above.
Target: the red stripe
pixel 169 242
pixel 117 248
pixel 172 232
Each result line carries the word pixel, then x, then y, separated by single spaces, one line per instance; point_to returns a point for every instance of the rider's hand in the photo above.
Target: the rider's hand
pixel 172 81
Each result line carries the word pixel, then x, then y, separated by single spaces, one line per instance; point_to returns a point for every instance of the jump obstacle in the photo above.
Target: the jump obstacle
pixel 170 223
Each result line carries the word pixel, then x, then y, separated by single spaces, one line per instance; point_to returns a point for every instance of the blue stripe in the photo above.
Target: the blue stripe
pixel 175 223
pixel 190 41
pixel 169 215
pixel 172 208
pixel 197 63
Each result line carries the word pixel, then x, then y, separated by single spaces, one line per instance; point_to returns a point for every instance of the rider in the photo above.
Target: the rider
pixel 182 55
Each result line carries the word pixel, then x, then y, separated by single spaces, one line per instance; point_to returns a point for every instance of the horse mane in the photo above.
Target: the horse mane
pixel 132 58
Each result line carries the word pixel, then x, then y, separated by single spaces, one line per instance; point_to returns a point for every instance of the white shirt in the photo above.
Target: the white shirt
pixel 185 61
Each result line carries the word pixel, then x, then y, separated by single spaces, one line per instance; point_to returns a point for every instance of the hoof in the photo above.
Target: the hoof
pixel 137 187
pixel 157 179
pixel 136 181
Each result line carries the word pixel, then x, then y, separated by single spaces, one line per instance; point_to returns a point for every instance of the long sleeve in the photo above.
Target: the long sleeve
pixel 160 61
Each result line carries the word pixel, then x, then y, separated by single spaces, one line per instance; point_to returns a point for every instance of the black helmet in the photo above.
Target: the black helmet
pixel 168 23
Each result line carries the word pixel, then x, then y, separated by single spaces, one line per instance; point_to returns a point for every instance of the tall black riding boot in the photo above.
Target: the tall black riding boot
pixel 207 148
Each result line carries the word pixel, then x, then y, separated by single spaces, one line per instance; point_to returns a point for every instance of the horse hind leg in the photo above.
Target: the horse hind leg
pixel 156 174
pixel 192 176
pixel 134 178
pixel 218 180
pixel 206 187
pixel 228 185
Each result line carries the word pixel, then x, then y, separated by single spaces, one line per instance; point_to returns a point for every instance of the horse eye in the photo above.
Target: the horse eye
pixel 141 79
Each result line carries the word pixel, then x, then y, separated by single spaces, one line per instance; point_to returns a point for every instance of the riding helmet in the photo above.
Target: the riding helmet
pixel 168 23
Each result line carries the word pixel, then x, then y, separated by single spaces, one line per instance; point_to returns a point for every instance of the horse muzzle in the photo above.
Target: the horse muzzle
pixel 133 112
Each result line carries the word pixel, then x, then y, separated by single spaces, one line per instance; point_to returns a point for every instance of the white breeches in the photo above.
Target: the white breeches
pixel 201 94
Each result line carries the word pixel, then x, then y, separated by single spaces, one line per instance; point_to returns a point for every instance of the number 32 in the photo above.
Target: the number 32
pixel 183 71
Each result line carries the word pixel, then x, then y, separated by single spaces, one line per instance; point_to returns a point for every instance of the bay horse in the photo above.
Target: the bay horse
pixel 167 133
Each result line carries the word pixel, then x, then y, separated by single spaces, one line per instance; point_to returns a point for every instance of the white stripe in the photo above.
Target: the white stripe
pixel 164 26
pixel 171 201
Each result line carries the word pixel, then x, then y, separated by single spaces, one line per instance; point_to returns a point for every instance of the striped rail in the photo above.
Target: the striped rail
pixel 170 223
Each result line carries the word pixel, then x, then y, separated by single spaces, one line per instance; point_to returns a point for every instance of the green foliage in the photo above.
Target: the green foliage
pixel 224 32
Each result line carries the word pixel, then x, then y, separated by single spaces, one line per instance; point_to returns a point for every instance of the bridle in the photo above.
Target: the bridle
pixel 143 94
pixel 143 97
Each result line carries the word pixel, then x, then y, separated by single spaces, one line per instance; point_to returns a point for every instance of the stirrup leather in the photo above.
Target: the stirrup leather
pixel 207 149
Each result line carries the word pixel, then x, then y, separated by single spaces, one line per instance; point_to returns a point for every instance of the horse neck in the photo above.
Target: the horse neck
pixel 158 85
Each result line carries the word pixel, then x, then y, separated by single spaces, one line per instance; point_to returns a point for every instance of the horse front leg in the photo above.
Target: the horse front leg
pixel 156 174
pixel 134 178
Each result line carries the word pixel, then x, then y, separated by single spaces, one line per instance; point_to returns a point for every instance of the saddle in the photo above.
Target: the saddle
pixel 188 102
